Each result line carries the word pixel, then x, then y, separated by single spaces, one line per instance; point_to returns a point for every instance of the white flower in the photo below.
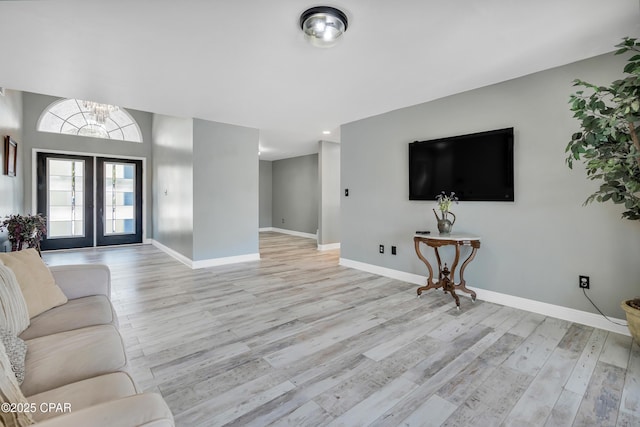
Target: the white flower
pixel 445 202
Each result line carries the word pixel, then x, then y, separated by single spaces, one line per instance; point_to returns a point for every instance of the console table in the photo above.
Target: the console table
pixel 446 277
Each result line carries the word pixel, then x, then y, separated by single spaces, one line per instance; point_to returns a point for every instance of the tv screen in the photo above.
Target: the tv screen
pixel 477 167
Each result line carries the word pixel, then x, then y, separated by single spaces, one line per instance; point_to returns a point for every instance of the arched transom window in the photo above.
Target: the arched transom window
pixel 87 118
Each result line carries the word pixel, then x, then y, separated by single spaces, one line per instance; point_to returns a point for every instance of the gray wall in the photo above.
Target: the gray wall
pixel 295 194
pixel 11 188
pixel 173 183
pixel 329 176
pixel 533 248
pixel 266 193
pixel 225 177
pixel 34 105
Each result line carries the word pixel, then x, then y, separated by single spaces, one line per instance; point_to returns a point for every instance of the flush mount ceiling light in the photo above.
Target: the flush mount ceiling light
pixel 323 25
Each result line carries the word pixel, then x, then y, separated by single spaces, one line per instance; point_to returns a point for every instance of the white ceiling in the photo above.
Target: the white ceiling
pixel 247 63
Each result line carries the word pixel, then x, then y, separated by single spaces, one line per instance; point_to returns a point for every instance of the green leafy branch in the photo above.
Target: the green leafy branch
pixel 608 142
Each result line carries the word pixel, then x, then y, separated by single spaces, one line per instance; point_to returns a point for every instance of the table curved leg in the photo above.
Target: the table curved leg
pixel 462 285
pixel 430 284
pixel 455 264
pixel 435 249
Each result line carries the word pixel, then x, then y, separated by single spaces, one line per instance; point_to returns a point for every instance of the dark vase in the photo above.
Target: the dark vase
pixel 444 225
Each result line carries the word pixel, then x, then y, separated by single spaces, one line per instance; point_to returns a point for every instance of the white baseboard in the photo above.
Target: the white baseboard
pixel 176 255
pixel 328 246
pixel 213 262
pixel 565 313
pixel 383 271
pixel 557 311
pixel 291 232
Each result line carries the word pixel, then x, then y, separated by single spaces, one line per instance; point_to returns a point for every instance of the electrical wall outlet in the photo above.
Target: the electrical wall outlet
pixel 583 282
pixel 381 249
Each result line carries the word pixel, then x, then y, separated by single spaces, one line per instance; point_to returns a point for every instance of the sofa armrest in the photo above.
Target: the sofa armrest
pixel 147 409
pixel 83 280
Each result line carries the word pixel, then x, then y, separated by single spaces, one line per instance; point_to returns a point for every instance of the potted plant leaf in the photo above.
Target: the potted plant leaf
pixel 609 145
pixel 25 231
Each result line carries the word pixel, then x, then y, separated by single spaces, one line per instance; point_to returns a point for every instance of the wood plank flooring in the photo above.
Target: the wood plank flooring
pixel 297 340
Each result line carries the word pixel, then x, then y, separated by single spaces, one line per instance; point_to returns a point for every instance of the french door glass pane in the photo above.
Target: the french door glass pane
pixel 65 198
pixel 119 198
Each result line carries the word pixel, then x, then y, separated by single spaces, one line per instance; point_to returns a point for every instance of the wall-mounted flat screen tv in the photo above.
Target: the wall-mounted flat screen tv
pixel 477 167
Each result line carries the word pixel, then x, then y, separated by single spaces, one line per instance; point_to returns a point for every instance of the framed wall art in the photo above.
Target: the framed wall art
pixel 10 156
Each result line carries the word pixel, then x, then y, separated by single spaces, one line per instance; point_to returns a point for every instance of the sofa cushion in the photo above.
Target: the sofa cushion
pixel 85 393
pixel 16 350
pixel 14 314
pixel 147 409
pixel 59 359
pixel 10 393
pixel 75 314
pixel 36 282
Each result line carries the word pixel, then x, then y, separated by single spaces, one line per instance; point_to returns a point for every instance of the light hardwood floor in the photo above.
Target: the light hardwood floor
pixel 296 340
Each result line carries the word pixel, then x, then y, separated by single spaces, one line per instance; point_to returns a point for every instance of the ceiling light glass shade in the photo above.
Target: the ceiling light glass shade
pixel 323 25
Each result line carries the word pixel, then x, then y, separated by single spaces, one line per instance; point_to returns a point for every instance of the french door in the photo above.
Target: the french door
pixel 118 201
pixel 89 201
pixel 65 197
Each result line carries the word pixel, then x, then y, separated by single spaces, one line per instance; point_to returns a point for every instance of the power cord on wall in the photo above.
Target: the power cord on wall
pixel 599 311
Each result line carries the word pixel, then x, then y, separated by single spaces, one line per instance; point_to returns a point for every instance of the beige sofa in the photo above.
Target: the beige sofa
pixel 75 367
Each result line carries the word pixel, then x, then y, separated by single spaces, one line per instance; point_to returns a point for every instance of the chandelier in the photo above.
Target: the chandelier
pixel 99 113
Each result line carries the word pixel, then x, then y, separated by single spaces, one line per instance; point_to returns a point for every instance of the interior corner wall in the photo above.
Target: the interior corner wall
pixel 173 183
pixel 11 188
pixel 34 104
pixel 295 194
pixel 225 177
pixel 329 178
pixel 266 193
pixel 533 248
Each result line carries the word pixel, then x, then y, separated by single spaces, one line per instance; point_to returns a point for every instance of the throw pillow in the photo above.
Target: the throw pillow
pixel 10 393
pixel 36 282
pixel 14 315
